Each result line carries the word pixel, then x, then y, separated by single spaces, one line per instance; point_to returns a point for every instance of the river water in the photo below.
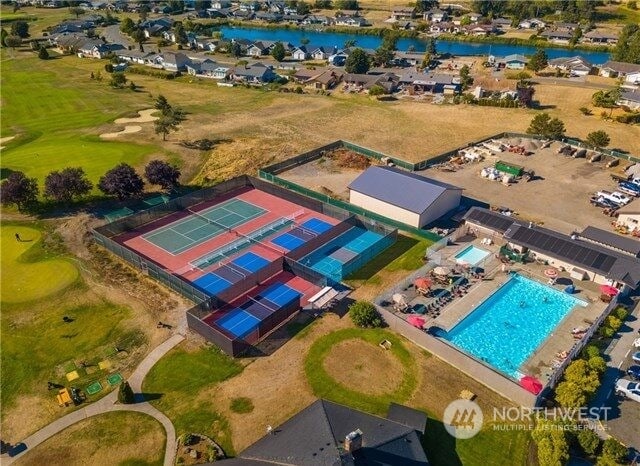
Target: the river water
pixel 330 39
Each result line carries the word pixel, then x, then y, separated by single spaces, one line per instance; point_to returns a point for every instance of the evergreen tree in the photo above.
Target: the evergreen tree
pixel 43 54
pixel 125 394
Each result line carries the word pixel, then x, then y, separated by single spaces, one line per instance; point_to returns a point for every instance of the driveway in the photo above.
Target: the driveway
pixel 113 35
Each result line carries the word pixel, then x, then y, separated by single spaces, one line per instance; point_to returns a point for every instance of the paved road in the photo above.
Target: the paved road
pixel 109 404
pixel 623 415
pixel 114 36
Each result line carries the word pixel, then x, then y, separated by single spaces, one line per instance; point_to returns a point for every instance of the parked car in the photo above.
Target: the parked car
pixel 636 343
pixel 603 203
pixel 629 188
pixel 628 389
pixel 636 357
pixel 634 372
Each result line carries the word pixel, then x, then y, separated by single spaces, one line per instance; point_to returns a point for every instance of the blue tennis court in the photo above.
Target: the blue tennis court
pixel 250 262
pixel 200 226
pixel 300 234
pixel 288 241
pixel 316 225
pixel 239 322
pixel 212 283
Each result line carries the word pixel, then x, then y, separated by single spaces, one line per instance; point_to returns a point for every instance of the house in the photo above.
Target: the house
pixel 256 73
pixel 155 27
pixel 501 23
pixel 443 27
pixel 294 18
pixel 595 37
pixel 260 47
pixel 630 99
pixel 133 56
pixel 206 44
pixel 479 30
pixel 327 433
pixel 533 23
pixel 581 258
pixel 435 16
pixel 407 58
pixel 387 81
pixel 559 36
pixel 268 17
pixel 95 48
pixel 616 69
pixel 174 61
pixel 321 53
pixel 205 68
pixel 512 62
pixel 220 4
pixel 576 66
pixel 435 83
pixel 629 217
pixel 316 19
pixel 351 21
pixel 339 58
pixel 475 17
pixel 300 53
pixel 320 78
pixel 244 15
pixel 403 13
pixel 403 196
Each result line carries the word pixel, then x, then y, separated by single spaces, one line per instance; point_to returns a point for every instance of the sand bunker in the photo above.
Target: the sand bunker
pixel 5 139
pixel 127 130
pixel 145 117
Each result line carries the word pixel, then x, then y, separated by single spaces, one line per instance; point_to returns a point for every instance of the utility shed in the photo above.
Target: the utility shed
pixel 403 196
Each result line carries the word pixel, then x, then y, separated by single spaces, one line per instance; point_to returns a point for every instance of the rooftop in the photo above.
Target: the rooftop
pixel 611 240
pixel 400 188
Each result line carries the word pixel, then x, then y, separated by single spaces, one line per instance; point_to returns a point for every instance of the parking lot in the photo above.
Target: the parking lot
pixel 558 197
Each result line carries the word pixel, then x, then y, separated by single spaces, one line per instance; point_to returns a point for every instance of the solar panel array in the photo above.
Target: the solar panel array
pixel 489 219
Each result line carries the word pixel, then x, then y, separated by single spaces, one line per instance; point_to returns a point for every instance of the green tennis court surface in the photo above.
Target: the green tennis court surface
pixel 93 388
pixel 200 226
pixel 114 379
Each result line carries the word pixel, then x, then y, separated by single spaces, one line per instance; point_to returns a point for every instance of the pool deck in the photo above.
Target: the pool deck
pixel 539 364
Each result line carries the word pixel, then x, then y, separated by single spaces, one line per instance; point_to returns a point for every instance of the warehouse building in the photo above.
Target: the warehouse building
pixel 403 196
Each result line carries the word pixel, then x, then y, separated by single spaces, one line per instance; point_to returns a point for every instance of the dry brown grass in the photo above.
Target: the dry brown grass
pixel 106 439
pixel 360 366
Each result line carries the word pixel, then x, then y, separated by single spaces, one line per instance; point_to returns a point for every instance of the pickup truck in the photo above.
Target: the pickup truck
pixel 614 196
pixel 629 188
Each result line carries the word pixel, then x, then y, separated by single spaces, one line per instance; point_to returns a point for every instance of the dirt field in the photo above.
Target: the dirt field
pixel 560 199
pixel 359 365
pixel 324 176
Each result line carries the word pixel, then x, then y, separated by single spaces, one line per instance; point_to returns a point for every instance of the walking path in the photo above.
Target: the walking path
pixel 108 404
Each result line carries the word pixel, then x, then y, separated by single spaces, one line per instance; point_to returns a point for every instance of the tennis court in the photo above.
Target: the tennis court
pixel 246 318
pixel 300 234
pixel 230 273
pixel 200 226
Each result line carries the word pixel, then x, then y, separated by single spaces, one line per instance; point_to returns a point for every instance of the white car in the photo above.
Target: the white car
pixel 628 389
pixel 636 343
pixel 615 196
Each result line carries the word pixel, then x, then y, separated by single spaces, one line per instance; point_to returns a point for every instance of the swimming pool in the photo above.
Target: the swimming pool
pixel 506 328
pixel 471 255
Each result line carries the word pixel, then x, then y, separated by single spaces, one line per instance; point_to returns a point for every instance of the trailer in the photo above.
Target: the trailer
pixel 510 168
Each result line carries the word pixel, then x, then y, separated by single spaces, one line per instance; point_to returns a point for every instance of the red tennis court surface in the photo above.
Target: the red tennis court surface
pixel 180 263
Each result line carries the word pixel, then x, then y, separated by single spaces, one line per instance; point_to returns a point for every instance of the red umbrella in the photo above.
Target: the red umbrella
pixel 416 321
pixel 423 282
pixel 531 384
pixel 609 290
pixel 551 273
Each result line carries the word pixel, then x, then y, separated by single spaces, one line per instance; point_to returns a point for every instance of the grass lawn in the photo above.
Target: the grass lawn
pixel 174 383
pixel 54 108
pixel 123 439
pixel 325 386
pixel 27 273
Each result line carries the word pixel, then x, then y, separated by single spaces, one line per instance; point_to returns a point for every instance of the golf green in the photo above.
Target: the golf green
pixel 32 278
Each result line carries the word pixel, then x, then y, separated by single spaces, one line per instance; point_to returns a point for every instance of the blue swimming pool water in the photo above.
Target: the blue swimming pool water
pixel 471 255
pixel 507 327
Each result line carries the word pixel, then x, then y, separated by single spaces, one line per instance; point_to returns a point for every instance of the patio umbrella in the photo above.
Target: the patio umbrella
pixel 416 321
pixel 609 290
pixel 531 384
pixel 441 270
pixel 398 298
pixel 423 283
pixel 551 273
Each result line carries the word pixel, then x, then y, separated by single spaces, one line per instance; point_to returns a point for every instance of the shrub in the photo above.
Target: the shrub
pixel 598 364
pixel 591 351
pixel 613 452
pixel 607 332
pixel 586 111
pixel 588 441
pixel 377 90
pixel 125 394
pixel 570 395
pixel 241 405
pixel 621 313
pixel 614 323
pixel 364 314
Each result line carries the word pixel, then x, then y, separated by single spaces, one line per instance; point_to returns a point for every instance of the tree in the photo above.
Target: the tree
pixel 357 62
pixel 431 47
pixel 177 6
pixel 20 29
pixel 125 394
pixel 598 139
pixel 118 80
pixel 552 443
pixel 43 54
pixel 162 104
pixel 162 173
pixel 303 8
pixel 143 12
pixel 137 35
pixel 165 124
pixel 382 57
pixel 349 43
pixel 346 4
pixel 613 452
pixel 390 39
pixel 13 42
pixel 465 77
pixel 127 26
pixel 628 47
pixel 426 5
pixel 200 5
pixel 180 34
pixel 121 181
pixel 236 49
pixel 364 314
pixel 546 126
pixel 588 441
pixel 76 10
pixel 377 90
pixel 322 4
pixel 570 395
pixel 278 52
pixel 19 190
pixel 538 61
pixel 607 99
pixel 63 186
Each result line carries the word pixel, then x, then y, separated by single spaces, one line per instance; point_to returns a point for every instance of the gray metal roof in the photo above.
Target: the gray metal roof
pixel 612 240
pixel 316 434
pixel 400 188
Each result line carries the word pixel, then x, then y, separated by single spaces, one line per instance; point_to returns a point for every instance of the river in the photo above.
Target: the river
pixel 330 39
